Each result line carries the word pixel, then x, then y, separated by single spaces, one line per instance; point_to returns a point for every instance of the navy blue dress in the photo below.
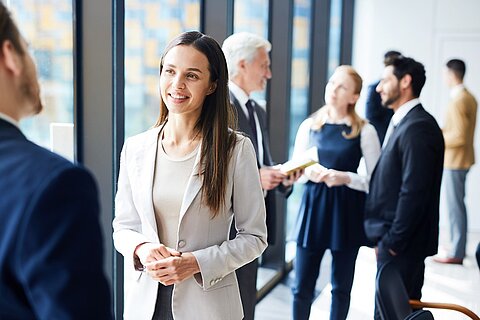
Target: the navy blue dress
pixel 332 218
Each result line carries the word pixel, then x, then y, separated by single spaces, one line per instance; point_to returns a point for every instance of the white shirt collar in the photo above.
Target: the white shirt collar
pixel 9 120
pixel 238 92
pixel 242 98
pixel 454 91
pixel 403 110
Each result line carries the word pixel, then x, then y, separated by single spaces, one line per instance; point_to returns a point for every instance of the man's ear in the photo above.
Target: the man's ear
pixel 11 58
pixel 242 64
pixel 406 81
pixel 212 88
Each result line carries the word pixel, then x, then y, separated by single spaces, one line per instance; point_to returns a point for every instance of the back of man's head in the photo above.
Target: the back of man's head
pixel 405 65
pixel 242 46
pixel 8 30
pixel 390 55
pixel 457 67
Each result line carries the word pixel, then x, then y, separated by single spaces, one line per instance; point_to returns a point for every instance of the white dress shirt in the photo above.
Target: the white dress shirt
pixel 369 144
pixel 242 98
pixel 398 116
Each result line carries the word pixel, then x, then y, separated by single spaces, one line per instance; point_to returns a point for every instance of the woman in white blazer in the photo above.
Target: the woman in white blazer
pixel 180 185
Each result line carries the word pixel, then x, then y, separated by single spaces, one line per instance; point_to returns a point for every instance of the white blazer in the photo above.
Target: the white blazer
pixel 212 294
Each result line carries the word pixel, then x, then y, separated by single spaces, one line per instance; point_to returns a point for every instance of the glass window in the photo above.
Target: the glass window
pixel 47 25
pixel 149 26
pixel 335 36
pixel 252 16
pixel 302 13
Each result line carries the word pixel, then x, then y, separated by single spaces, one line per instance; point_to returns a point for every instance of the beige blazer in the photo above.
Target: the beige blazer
pixel 212 294
pixel 459 130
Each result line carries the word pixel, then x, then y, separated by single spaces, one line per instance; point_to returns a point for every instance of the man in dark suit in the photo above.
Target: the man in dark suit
pixel 51 255
pixel 249 69
pixel 379 115
pixel 402 208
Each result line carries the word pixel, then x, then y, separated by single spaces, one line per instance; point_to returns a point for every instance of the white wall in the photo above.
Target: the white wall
pixel 432 32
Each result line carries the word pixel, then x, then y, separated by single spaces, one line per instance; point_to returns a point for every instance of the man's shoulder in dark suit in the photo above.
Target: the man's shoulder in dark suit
pixel 418 129
pixel 419 121
pixel 52 249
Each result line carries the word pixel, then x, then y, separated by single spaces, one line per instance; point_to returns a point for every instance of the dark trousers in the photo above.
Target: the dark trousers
pixel 307 269
pixel 412 271
pixel 163 307
pixel 247 282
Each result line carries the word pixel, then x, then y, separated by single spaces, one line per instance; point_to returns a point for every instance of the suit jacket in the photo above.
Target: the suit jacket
pixel 214 293
pixel 459 131
pixel 378 115
pixel 51 255
pixel 244 126
pixel 402 208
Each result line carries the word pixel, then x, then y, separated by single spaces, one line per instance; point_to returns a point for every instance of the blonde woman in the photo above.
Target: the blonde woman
pixel 331 212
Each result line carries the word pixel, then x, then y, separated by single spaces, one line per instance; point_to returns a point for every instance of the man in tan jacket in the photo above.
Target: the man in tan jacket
pixel 458 133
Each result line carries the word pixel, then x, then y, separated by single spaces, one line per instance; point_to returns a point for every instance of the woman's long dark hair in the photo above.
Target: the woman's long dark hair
pixel 215 121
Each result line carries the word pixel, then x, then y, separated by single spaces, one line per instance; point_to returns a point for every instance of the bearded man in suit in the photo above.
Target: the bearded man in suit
pixel 402 207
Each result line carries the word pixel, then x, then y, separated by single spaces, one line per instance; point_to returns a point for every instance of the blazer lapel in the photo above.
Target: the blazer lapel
pixel 145 163
pixel 395 133
pixel 193 186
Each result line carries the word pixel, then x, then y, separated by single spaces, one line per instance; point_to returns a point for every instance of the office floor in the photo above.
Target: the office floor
pixel 443 283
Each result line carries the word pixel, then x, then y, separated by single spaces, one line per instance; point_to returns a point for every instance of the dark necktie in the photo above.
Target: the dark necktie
pixel 251 121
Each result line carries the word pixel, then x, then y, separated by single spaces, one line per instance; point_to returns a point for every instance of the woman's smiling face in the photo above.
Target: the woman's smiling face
pixel 185 81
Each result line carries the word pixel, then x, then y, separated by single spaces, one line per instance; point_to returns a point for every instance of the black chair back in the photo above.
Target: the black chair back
pixel 477 255
pixel 420 315
pixel 391 295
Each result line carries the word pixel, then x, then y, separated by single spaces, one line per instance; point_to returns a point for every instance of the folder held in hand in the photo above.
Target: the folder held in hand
pixel 308 158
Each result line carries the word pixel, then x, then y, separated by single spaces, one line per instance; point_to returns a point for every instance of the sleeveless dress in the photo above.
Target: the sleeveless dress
pixel 332 218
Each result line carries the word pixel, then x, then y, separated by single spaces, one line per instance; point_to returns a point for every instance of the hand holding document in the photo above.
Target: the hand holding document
pixel 308 158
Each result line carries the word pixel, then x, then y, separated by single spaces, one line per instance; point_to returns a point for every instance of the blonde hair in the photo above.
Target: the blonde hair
pixel 320 117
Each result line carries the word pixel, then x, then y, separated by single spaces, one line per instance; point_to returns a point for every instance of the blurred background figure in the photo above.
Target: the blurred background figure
pixel 332 208
pixel 402 208
pixel 458 133
pixel 248 62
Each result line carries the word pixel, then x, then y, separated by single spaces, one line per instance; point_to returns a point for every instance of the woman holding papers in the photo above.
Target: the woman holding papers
pixel 331 212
